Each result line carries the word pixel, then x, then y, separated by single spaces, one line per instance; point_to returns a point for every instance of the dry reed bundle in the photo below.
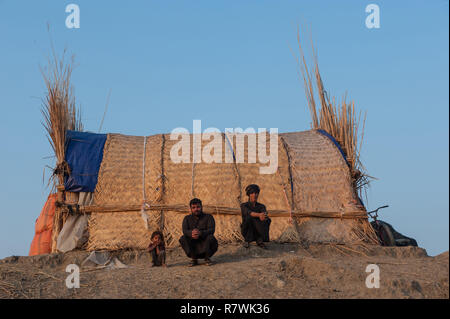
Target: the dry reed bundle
pixel 337 119
pixel 59 110
pixel 60 114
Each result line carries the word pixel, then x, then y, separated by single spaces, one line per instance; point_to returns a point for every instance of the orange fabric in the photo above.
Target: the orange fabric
pixel 42 241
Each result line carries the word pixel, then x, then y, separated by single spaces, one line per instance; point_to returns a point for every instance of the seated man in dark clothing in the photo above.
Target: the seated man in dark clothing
pixel 255 222
pixel 198 240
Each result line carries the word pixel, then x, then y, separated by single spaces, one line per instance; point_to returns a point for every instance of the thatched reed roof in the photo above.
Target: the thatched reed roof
pixel 312 180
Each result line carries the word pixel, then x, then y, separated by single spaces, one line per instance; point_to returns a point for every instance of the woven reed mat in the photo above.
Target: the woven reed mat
pixel 178 176
pixel 320 178
pixel 333 230
pixel 113 231
pixel 120 176
pixel 217 184
pixel 273 186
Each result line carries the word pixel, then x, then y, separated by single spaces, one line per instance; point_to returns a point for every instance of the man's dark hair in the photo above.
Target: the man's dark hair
pixel 251 189
pixel 195 201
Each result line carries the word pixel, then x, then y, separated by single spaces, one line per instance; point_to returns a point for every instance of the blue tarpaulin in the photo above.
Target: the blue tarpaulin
pixel 84 154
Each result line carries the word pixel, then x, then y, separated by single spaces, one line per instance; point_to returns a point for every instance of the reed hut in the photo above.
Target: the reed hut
pixel 114 190
pixel 138 188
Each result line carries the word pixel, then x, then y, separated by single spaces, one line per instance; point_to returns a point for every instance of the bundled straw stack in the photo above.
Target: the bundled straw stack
pixel 338 120
pixel 60 114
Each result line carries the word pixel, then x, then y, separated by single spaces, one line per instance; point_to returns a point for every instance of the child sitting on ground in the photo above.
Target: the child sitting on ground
pixel 157 249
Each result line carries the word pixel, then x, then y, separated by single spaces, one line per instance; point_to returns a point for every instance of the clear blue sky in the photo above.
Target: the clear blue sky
pixel 229 63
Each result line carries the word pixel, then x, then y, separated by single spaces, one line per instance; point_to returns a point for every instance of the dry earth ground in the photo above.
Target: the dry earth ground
pixel 282 271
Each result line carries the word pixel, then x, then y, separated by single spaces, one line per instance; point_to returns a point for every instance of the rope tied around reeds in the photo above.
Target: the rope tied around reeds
pixel 144 200
pixel 236 169
pixel 291 203
pixel 192 180
pixel 222 210
pixel 156 218
pixel 143 169
pixel 62 169
pixel 161 189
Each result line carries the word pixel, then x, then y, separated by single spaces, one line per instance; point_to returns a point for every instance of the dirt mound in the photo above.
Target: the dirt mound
pixel 281 271
pixel 442 257
pixel 307 268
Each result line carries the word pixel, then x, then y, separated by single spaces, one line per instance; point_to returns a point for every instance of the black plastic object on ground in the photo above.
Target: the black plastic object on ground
pixel 388 236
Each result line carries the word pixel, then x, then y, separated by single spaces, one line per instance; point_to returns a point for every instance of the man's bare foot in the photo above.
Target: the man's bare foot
pixel 193 263
pixel 208 262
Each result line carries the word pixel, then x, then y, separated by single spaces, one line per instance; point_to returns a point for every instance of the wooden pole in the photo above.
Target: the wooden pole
pixel 57 220
pixel 222 210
